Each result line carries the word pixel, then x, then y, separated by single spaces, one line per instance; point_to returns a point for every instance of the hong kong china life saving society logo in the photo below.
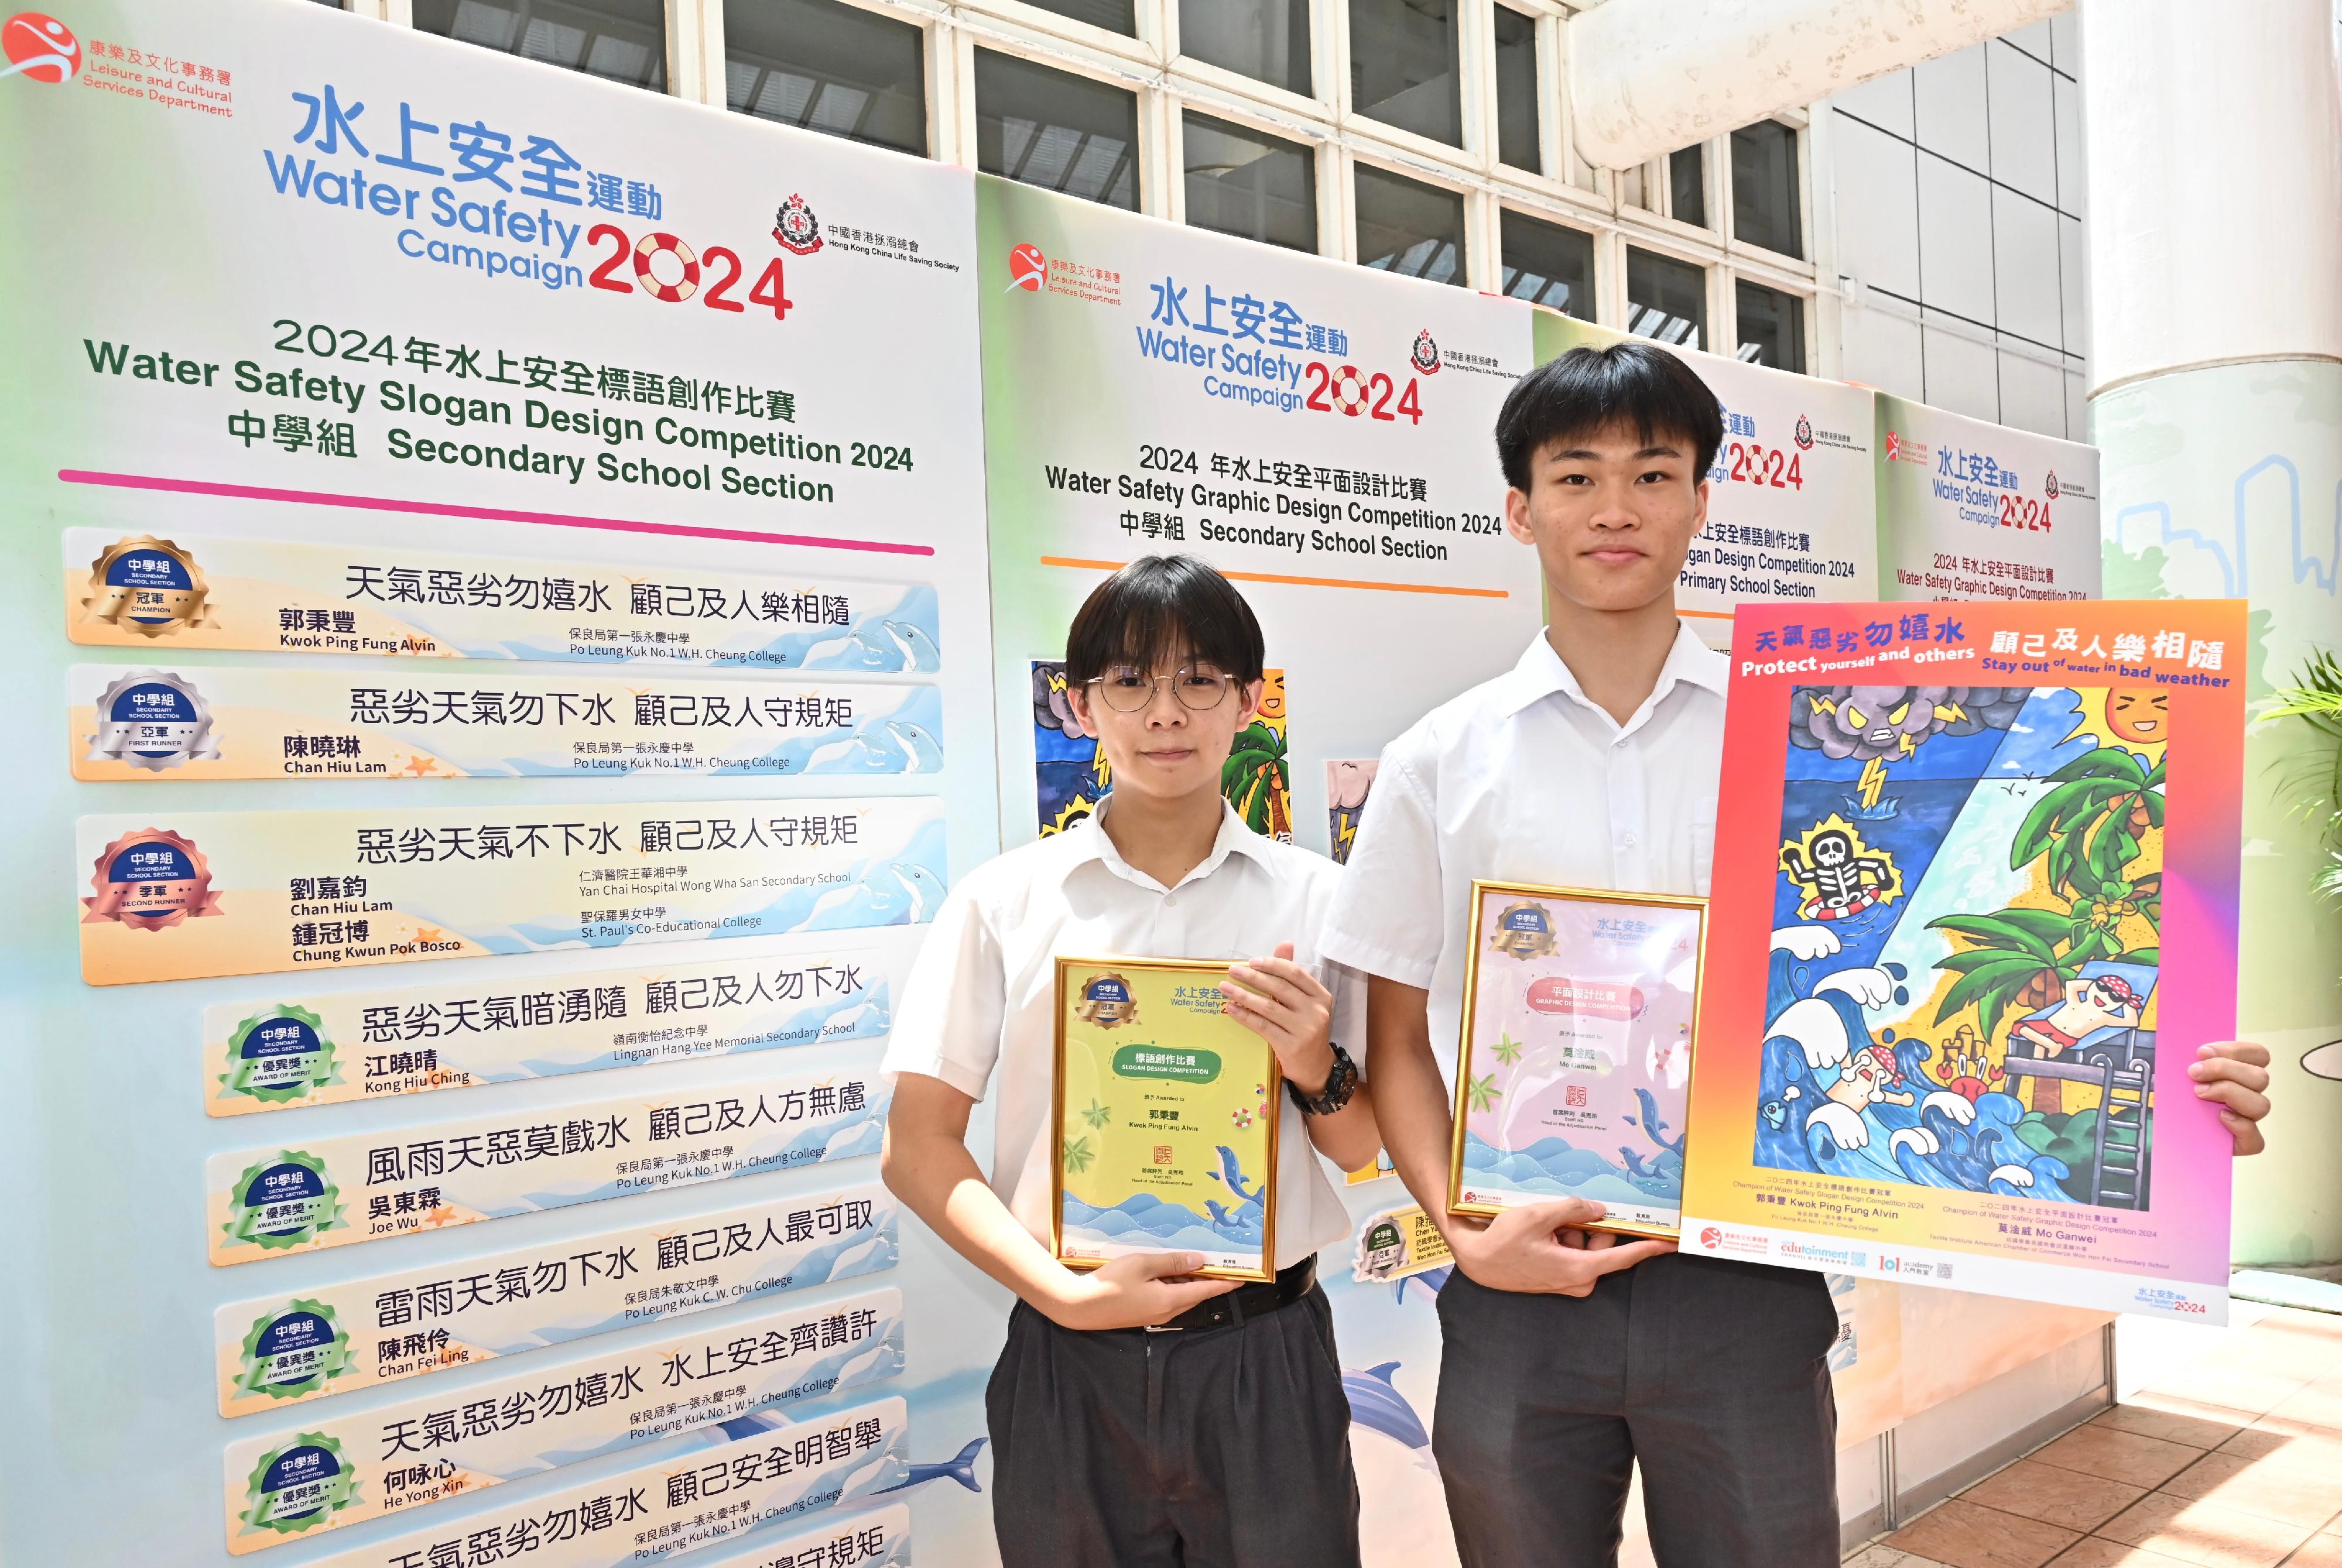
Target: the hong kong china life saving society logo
pixel 1425 354
pixel 39 48
pixel 795 227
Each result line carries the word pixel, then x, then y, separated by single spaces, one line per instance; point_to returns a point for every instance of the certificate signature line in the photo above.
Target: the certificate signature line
pixel 1081 564
pixel 492 513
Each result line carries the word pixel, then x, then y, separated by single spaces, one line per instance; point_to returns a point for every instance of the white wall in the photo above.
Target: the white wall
pixel 1958 208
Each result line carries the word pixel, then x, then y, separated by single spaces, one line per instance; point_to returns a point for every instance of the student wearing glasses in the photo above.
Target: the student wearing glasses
pixel 1140 1417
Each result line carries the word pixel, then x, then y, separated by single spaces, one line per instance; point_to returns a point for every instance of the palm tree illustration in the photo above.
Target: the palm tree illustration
pixel 1097 1115
pixel 1079 1154
pixel 1508 1049
pixel 1482 1093
pixel 1256 781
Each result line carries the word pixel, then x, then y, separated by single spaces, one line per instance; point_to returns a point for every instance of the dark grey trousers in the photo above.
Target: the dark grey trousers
pixel 1711 1372
pixel 1228 1448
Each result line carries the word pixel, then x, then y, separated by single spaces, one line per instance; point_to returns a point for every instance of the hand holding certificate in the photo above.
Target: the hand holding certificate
pixel 1167 1119
pixel 1573 1075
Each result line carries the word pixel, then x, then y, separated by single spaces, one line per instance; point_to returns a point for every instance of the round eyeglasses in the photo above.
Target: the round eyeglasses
pixel 1128 690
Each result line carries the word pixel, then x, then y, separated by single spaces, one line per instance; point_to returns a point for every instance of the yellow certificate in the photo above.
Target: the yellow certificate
pixel 1167 1119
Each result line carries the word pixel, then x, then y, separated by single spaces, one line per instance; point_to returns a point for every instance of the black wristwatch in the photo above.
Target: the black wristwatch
pixel 1340 1084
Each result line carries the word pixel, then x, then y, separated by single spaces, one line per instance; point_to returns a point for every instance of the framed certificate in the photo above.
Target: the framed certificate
pixel 1165 1111
pixel 1573 1075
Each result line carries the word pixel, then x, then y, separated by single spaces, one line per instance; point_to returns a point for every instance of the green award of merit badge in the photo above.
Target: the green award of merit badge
pixel 294 1352
pixel 280 1054
pixel 1185 1067
pixel 299 1486
pixel 283 1203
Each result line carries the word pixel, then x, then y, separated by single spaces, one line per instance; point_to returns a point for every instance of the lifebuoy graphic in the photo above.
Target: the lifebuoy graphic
pixel 651 245
pixel 1349 391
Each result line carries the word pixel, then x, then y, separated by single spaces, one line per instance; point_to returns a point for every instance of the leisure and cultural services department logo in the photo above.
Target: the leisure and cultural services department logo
pixel 39 47
pixel 1029 269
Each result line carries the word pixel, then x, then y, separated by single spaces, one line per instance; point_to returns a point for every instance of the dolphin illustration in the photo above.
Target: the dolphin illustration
pixel 1220 1216
pixel 926 753
pixel 961 1467
pixel 1429 1279
pixel 925 888
pixel 1379 1406
pixel 1231 1174
pixel 880 649
pixel 916 642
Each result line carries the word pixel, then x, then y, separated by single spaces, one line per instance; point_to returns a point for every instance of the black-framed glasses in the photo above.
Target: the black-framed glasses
pixel 1127 689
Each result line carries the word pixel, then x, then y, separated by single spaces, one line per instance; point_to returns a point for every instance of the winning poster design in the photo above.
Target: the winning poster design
pixel 773 1471
pixel 179 896
pixel 225 721
pixel 346 1468
pixel 1167 1116
pixel 327 1048
pixel 275 1351
pixel 1968 510
pixel 1070 775
pixel 1792 510
pixel 1967 947
pixel 367 1186
pixel 157 595
pixel 1579 1017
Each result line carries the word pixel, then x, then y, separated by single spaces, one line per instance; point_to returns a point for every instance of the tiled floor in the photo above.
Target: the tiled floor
pixel 2230 1459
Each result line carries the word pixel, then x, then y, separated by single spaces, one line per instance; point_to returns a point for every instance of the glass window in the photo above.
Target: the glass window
pixel 1772 327
pixel 616 40
pixel 1765 187
pixel 1267 40
pixel 1546 263
pixel 1666 299
pixel 1406 227
pixel 1687 187
pixel 827 67
pixel 1240 182
pixel 1404 66
pixel 1516 92
pixel 1056 130
pixel 1113 15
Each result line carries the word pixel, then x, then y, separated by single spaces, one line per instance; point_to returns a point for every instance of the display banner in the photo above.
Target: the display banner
pixel 328 1047
pixel 179 895
pixel 1792 510
pixel 1940 1041
pixel 344 1468
pixel 278 1350
pixel 139 591
pixel 878 1539
pixel 367 1186
pixel 1968 510
pixel 776 1471
pixel 1319 432
pixel 145 724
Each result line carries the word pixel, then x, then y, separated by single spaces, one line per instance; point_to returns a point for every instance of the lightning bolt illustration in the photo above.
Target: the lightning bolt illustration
pixel 1874 778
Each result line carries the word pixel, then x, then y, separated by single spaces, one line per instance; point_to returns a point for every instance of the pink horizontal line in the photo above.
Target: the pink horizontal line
pixel 498 513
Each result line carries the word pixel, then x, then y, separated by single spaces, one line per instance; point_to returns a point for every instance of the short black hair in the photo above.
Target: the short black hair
pixel 1159 607
pixel 1634 383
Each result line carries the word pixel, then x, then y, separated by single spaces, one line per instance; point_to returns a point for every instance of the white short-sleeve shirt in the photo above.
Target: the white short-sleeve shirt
pixel 1523 779
pixel 978 1008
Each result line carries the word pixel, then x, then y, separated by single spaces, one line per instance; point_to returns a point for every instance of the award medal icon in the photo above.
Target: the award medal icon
pixel 151 879
pixel 155 720
pixel 293 1352
pixel 299 1486
pixel 1525 930
pixel 147 586
pixel 1381 1250
pixel 283 1203
pixel 278 1055
pixel 1107 1004
pixel 795 228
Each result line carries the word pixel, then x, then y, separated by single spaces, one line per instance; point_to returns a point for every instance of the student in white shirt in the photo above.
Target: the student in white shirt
pixel 1568 1355
pixel 1141 1418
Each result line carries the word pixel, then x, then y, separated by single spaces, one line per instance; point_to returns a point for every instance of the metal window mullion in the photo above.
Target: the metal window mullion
pixel 695 51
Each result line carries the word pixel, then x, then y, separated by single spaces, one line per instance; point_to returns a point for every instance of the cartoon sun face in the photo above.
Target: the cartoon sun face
pixel 1272 696
pixel 2139 716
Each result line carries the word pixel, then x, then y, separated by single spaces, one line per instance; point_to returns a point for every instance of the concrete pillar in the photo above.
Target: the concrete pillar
pixel 2214 136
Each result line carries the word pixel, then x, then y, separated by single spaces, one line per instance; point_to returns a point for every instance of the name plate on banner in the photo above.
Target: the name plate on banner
pixel 881 1539
pixel 279 1350
pixel 365 1186
pixel 333 1472
pixel 212 722
pixel 323 1050
pixel 182 897
pixel 676 1504
pixel 139 591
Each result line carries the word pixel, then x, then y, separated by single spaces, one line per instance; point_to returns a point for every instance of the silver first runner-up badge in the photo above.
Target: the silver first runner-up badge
pixel 155 720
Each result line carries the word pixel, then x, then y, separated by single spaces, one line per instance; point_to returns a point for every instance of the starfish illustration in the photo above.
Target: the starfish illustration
pixel 420 767
pixel 429 933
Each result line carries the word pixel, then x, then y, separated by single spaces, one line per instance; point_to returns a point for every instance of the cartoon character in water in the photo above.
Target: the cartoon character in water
pixel 1868 1080
pixel 1837 872
pixel 1827 1027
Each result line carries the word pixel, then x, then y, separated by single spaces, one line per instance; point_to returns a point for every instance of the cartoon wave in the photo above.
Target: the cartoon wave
pixel 1553 1166
pixel 1146 1218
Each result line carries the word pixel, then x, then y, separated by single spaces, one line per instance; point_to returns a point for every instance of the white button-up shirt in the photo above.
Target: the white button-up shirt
pixel 980 997
pixel 1523 779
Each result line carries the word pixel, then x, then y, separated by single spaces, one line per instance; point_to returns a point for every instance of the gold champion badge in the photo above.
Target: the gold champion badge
pixel 151 879
pixel 1525 930
pixel 1106 1003
pixel 145 585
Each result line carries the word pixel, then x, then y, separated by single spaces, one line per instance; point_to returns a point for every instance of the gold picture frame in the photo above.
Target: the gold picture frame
pixel 1141 983
pixel 1529 936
